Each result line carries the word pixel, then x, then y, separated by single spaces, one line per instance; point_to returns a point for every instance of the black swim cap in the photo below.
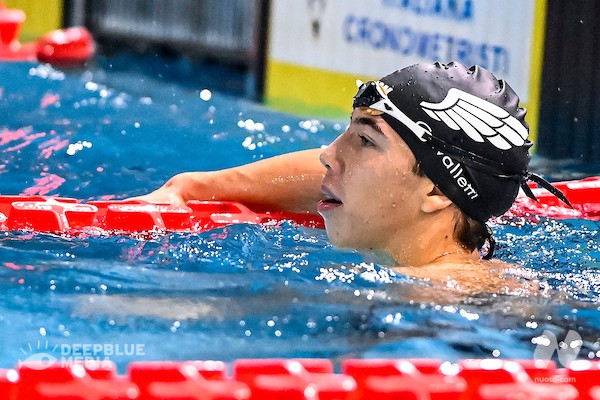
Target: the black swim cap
pixel 465 128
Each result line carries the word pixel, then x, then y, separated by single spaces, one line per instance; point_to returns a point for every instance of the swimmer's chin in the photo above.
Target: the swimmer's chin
pixel 376 256
pixel 379 257
pixel 336 241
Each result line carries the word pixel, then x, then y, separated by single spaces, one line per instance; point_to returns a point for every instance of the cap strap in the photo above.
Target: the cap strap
pixel 473 160
pixel 546 185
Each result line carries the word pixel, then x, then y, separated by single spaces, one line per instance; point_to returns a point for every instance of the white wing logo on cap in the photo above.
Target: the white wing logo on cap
pixel 478 118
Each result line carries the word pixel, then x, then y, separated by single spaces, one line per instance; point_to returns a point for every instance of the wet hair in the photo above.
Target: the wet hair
pixel 469 232
pixel 474 235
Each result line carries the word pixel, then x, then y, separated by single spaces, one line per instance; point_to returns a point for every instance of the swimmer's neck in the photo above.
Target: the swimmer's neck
pixel 458 257
pixel 429 242
pixel 454 254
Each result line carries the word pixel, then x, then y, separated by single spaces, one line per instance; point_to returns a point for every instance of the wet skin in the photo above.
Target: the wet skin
pixel 370 184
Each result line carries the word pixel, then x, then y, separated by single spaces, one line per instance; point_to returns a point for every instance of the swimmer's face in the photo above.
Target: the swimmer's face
pixel 373 192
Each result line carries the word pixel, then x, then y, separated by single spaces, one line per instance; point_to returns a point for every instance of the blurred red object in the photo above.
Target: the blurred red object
pixel 62 47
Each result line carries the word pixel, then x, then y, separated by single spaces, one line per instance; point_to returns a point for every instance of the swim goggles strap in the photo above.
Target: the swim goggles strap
pixel 546 185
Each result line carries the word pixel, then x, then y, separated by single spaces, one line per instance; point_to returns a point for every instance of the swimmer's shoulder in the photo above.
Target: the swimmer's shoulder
pixel 482 276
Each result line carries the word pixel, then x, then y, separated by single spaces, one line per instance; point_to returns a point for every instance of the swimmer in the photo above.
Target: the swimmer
pixel 432 152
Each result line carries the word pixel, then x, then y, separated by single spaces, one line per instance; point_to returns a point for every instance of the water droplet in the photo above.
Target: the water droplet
pixel 205 95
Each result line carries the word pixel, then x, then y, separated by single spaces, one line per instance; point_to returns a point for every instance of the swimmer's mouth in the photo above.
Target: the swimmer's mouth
pixel 329 201
pixel 329 196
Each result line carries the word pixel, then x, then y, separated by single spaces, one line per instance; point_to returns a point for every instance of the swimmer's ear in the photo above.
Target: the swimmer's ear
pixel 435 200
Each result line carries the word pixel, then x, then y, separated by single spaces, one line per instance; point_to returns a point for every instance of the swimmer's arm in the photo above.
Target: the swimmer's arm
pixel 290 182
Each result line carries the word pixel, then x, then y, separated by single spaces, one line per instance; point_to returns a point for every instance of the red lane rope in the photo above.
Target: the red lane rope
pixel 304 379
pixel 59 214
pixel 67 215
pixel 583 194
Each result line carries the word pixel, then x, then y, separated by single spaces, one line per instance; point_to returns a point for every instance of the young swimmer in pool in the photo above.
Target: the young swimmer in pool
pixel 432 152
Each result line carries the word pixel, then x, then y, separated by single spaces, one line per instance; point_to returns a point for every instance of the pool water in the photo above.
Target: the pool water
pixel 243 290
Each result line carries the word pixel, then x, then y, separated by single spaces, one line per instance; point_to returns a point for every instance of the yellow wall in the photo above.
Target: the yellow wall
pixel 42 16
pixel 535 80
pixel 310 91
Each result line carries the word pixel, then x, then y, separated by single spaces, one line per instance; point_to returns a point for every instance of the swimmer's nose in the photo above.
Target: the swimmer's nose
pixel 323 159
pixel 327 158
pixel 330 156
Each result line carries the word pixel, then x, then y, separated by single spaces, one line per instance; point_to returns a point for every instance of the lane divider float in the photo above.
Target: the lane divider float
pixel 583 194
pixel 305 379
pixel 68 215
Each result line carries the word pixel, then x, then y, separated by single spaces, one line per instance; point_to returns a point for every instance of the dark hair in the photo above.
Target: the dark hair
pixel 474 235
pixel 470 233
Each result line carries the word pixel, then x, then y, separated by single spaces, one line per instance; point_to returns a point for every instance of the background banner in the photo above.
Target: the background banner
pixel 317 48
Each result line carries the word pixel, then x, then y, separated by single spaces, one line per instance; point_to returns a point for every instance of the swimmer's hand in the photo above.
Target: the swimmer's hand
pixel 175 190
pixel 289 182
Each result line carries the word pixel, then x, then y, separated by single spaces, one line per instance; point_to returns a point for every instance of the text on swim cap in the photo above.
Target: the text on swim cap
pixel 457 172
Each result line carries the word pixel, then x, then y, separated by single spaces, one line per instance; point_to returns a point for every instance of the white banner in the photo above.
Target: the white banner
pixel 376 37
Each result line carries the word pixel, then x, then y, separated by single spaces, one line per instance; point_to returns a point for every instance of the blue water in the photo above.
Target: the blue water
pixel 243 290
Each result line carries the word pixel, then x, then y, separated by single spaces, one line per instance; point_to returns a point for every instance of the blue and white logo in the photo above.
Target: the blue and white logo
pixel 40 356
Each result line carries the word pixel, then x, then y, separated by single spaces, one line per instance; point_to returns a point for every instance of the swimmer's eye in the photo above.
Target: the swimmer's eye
pixel 366 142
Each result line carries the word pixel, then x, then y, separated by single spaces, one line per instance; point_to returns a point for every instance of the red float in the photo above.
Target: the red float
pixel 64 215
pixel 63 47
pixel 67 215
pixel 303 379
pixel 583 194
